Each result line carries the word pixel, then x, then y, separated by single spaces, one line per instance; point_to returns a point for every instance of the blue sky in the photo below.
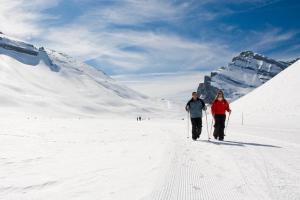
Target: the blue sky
pixel 155 36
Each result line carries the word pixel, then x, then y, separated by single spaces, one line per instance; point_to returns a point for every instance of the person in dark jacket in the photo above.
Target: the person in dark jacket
pixel 195 107
pixel 218 110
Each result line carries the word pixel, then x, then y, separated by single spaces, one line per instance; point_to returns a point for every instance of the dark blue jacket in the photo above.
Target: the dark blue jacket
pixel 195 107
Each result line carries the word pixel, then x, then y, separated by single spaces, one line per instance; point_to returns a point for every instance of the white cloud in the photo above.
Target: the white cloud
pixel 21 18
pixel 92 37
pixel 156 51
pixel 136 11
pixel 275 36
pixel 97 35
pixel 269 38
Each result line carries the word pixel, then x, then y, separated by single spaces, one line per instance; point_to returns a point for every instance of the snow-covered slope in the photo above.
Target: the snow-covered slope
pixel 246 72
pixel 112 158
pixel 45 81
pixel 274 104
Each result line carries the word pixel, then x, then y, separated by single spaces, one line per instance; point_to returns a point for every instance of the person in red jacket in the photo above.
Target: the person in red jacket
pixel 218 110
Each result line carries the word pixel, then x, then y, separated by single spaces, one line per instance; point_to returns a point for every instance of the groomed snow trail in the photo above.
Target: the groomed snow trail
pixel 87 159
pixel 246 166
pixel 84 159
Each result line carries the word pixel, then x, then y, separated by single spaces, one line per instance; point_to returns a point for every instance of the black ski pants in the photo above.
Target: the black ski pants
pixel 219 126
pixel 196 127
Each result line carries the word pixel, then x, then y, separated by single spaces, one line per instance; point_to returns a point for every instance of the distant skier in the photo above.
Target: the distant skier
pixel 140 118
pixel 195 107
pixel 218 110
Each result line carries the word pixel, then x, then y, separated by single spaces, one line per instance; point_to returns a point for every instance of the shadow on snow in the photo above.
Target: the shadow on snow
pixel 239 143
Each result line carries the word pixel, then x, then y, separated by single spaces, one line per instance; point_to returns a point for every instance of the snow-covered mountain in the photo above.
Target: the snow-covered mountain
pixel 244 73
pixel 45 81
pixel 112 158
pixel 275 104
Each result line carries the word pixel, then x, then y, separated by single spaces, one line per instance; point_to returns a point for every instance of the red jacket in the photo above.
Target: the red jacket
pixel 219 107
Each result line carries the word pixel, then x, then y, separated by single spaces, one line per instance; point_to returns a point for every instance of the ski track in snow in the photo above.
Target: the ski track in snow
pixel 193 176
pixel 241 169
pixel 113 159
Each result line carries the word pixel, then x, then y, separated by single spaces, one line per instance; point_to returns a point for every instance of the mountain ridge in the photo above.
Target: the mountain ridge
pixel 244 73
pixel 46 81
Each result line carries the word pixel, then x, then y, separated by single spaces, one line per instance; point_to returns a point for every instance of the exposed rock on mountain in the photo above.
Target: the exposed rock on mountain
pixel 244 73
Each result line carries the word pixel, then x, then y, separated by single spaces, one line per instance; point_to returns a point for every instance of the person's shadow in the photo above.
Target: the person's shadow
pixel 238 143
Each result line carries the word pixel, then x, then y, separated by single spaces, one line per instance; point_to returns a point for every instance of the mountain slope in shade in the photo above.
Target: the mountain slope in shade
pixel 45 81
pixel 246 72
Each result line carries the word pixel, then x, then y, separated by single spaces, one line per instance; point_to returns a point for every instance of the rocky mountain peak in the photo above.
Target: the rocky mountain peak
pixel 244 73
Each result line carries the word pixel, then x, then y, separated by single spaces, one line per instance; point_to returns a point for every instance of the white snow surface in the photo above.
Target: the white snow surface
pixel 119 158
pixel 275 104
pixel 43 81
pixel 80 154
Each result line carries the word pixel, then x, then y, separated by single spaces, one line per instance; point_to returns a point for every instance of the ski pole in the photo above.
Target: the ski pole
pixel 226 124
pixel 211 126
pixel 208 134
pixel 188 124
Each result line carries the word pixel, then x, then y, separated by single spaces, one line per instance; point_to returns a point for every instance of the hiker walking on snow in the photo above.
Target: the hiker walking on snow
pixel 218 110
pixel 195 107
